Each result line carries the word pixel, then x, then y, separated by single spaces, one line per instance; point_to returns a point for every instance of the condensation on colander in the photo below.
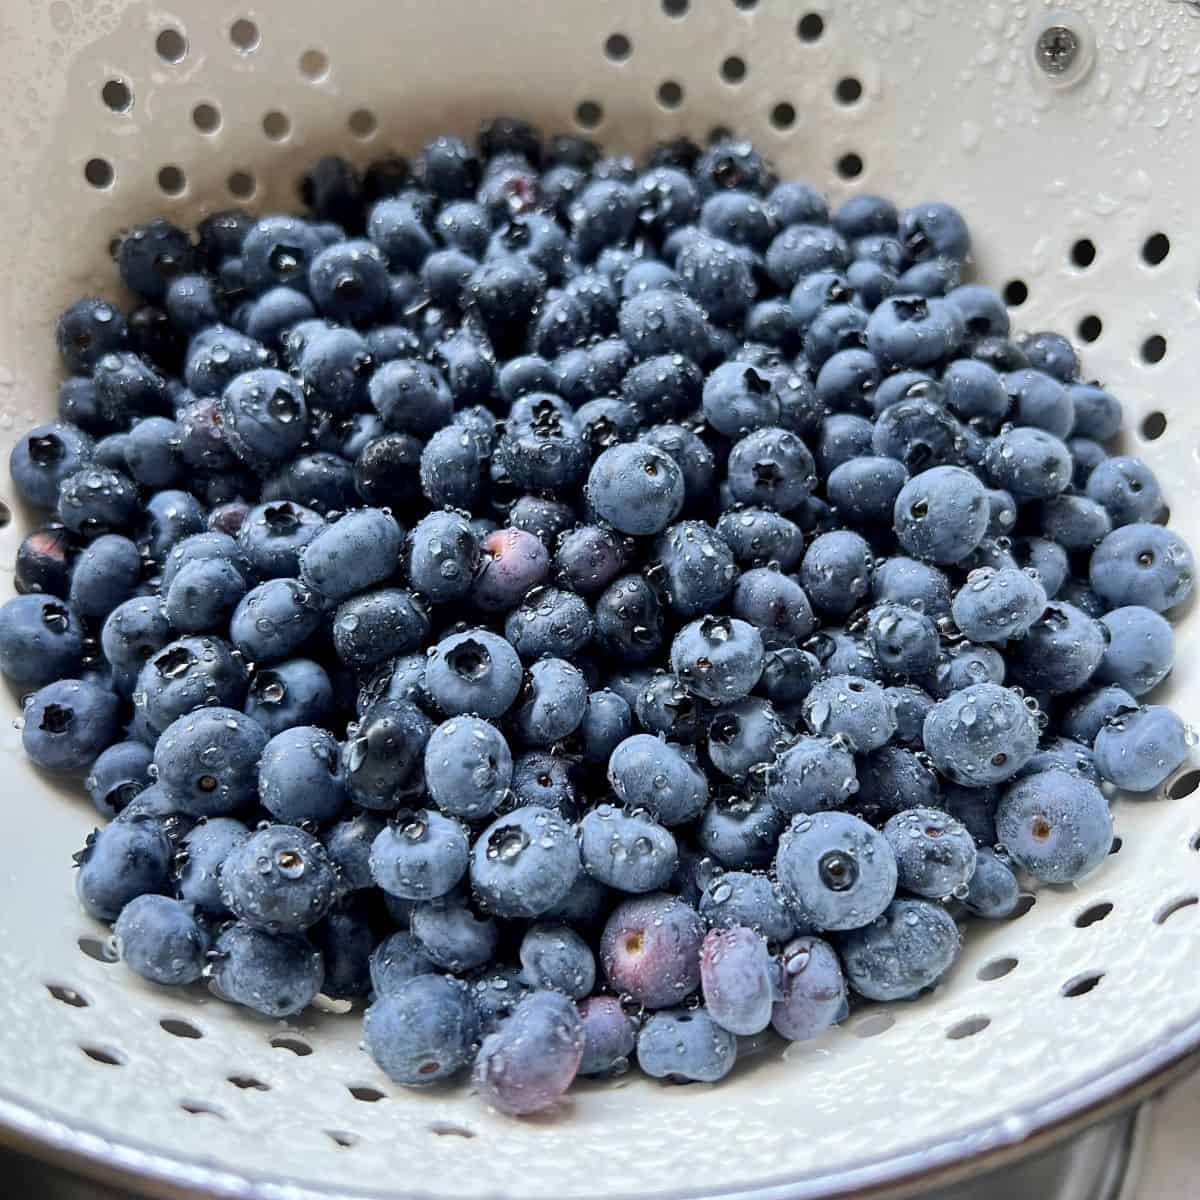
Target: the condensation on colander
pixel 1081 199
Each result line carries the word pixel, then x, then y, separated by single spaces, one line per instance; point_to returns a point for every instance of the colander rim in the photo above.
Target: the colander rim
pixel 989 1145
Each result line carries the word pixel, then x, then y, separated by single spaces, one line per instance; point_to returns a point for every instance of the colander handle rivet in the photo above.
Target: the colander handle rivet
pixel 1057 49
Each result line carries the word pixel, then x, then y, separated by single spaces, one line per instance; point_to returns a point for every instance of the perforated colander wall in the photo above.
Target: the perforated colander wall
pixel 1083 205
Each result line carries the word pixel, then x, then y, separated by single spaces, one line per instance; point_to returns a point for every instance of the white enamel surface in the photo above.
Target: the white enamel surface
pixel 950 109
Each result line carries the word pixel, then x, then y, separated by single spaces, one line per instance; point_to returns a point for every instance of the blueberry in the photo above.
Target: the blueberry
pixel 740 831
pixel 649 773
pixel 914 331
pixel 1139 750
pixel 348 844
pixel 811 775
pixel 836 571
pixel 524 863
pixel 993 891
pixel 609 1037
pixel 375 626
pixel 941 514
pixel 738 398
pixel 697 566
pixel 1075 522
pixel 965 665
pixel 291 693
pixel 161 940
pixel 449 168
pixel 736 977
pixel 126 859
pixel 336 368
pixel 419 855
pixel 812 990
pixel 42 562
pixel 132 633
pixel 381 757
pixel 552 704
pixel 771 468
pixel 278 880
pixel 360 549
pixel 41 640
pixel 864 489
pixel 745 735
pixel 627 851
pixel 97 500
pixel 87 331
pixel 274 619
pixel 452 936
pixel 216 356
pixel 1061 650
pixel 396 960
pixel 1055 825
pixel 758 536
pixel 893 779
pixel 856 709
pixel 835 870
pixel 276 975
pixel 151 255
pixel 46 456
pixel 905 641
pixel 1031 464
pixel 749 899
pixel 997 605
pixel 1139 649
pixel 203 851
pixel 421 1031
pixel 67 724
pixel 273 535
pixel 716 275
pixel 1127 489
pixel 935 854
pixel 607 721
pixel 207 761
pixel 718 658
pixel 912 704
pixel 513 562
pixel 171 517
pixel 1048 559
pixel 1142 564
pixel 473 672
pixel 686 1045
pixel 650 950
pixel 912 945
pixel 299 776
pixel 468 767
pixel 980 735
pixel 117 776
pixel 555 958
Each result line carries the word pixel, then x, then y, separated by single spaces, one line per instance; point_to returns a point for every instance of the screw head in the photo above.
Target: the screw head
pixel 1057 49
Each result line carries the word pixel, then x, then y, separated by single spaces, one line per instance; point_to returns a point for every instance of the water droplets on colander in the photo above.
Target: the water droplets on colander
pixel 1079 183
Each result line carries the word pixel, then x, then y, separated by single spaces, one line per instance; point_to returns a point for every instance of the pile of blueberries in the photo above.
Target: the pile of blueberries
pixel 585 611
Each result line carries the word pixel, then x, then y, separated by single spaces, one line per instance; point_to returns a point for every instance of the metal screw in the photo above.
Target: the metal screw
pixel 1057 49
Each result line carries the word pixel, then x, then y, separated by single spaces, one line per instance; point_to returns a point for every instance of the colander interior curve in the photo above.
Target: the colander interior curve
pixel 1081 196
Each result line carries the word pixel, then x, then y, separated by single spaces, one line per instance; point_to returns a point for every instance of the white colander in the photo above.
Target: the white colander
pixel 1081 190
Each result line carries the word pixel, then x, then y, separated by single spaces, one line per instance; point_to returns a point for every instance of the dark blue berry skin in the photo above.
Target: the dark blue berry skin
pixel 919 585
pixel 279 880
pixel 117 776
pixel 382 756
pixel 41 640
pixel 636 488
pixel 419 855
pixel 1075 522
pixel 1052 353
pixel 980 735
pixel 1031 464
pixel 96 500
pixel 607 721
pixel 738 398
pixel 152 455
pixel 202 594
pixel 686 1045
pixel 893 779
pixel 918 433
pixel 411 397
pixel 935 854
pixel 1088 715
pixel 664 321
pixel 589 557
pixel 983 311
pixel 758 536
pixel 1140 750
pixel 664 706
pixel 272 316
pixel 864 490
pixel 836 571
pixel 151 255
pixel 273 535
pixel 1062 754
pixel 914 331
pixel 553 703
pixel 975 392
pixel 912 705
pixel 847 381
pixel 1048 559
pixel 1142 564
pixel 1055 825
pixel 692 456
pixel 452 936
pixel 793 203
pixel 46 456
pixel 450 469
pixel 87 331
pixel 812 990
pixel 348 844
pixel 388 342
pixel 811 775
pixel 1139 650
pixel 107 573
pixel 79 405
pixel 294 692
pixel 474 672
pixel 549 622
pixel 998 605
pixel 835 871
pixel 524 863
pixel 912 946
pixel 358 550
pixel 264 418
pixel 964 666
pixel 161 940
pixel 124 860
pixel 274 620
pixel 1097 413
pixel 450 169
pixel 423 1031
pixel 336 367
pixel 628 620
pixel 858 709
pixel 801 250
pixel 379 625
pixel 299 776
pixel 717 276
pixel 663 388
pixel 276 975
pixel 740 831
pixel 941 515
pixel 1041 401
pixel 132 633
pixel 348 282
pixel 993 891
pixel 204 849
pixel 513 561
pixel 170 517
pixel 718 658
pixel 396 960
pixel 748 899
pixel 772 468
pixel 217 356
pixel 67 724
pixel 345 940
pixel 468 767
pixel 905 641
pixel 737 980
pixel 1127 489
pixel 277 251
pixel 1061 650
pixel 555 958
pixel 647 772
pixel 744 735
pixel 495 992
pixel 698 567
pixel 609 1037
pixel 207 761
pixel 626 851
